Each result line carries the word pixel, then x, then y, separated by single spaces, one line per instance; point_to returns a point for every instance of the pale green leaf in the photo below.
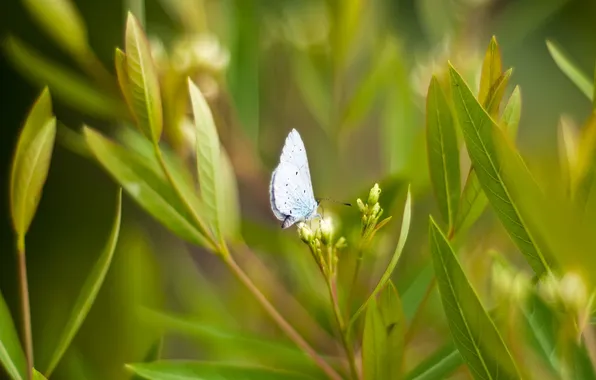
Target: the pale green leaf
pixel 12 356
pixel 31 163
pixel 443 152
pixel 193 370
pixel 403 237
pixel 570 69
pixel 88 292
pixel 230 212
pixel 61 21
pixel 122 74
pixel 65 85
pixel 512 113
pixel 495 94
pixel 143 83
pixel 37 375
pixel 383 339
pixel 481 133
pixel 438 366
pixel 143 183
pixel 473 331
pixel 492 69
pixel 208 158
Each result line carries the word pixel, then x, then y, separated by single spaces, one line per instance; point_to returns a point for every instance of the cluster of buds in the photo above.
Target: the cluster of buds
pixel 508 283
pixel 322 245
pixel 567 293
pixel 371 213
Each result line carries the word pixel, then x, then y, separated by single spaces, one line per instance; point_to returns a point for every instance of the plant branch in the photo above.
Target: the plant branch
pixel 25 306
pixel 278 318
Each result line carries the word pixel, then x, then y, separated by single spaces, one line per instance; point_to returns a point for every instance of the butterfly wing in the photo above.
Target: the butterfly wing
pixel 291 193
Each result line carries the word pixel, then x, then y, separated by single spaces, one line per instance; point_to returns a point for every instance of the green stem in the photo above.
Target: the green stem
pixel 332 286
pixel 278 318
pixel 25 306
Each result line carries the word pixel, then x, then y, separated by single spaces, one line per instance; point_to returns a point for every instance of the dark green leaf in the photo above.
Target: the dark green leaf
pixel 443 152
pixel 88 292
pixel 143 84
pixel 31 163
pixel 64 84
pixel 440 365
pixel 483 140
pixel 143 183
pixel 12 356
pixel 383 340
pixel 403 237
pixel 188 370
pixel 208 158
pixel 569 68
pixel 473 331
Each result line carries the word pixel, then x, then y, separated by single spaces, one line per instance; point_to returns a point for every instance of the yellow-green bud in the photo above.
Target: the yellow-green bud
pixel 374 213
pixel 573 291
pixel 361 206
pixel 326 231
pixel 305 233
pixel 520 287
pixel 549 289
pixel 341 243
pixel 373 196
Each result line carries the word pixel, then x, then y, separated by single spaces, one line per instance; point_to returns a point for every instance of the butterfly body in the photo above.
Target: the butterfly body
pixel 290 190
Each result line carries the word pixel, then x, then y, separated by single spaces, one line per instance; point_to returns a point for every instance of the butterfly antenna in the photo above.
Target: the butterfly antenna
pixel 334 201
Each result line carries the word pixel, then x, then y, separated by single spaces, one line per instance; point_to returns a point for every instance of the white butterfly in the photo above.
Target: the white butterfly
pixel 290 191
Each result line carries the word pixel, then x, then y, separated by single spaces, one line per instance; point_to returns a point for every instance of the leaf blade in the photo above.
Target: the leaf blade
pixel 569 68
pixel 492 68
pixel 12 356
pixel 89 291
pixel 486 356
pixel 443 152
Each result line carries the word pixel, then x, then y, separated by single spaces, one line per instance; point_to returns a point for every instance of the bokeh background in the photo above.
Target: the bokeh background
pixel 268 66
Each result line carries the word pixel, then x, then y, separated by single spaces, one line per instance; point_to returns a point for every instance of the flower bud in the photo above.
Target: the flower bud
pixel 573 291
pixel 326 231
pixel 549 289
pixel 341 243
pixel 305 233
pixel 520 287
pixel 361 205
pixel 373 196
pixel 374 213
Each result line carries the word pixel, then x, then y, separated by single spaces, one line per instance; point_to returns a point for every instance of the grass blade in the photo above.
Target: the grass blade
pixel 443 152
pixel 481 133
pixel 473 331
pixel 88 291
pixel 12 356
pixel 570 69
pixel 437 366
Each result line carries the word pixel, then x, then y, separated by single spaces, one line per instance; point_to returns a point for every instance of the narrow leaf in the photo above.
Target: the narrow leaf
pixel 37 375
pixel 122 74
pixel 473 331
pixel 208 157
pixel 472 203
pixel 61 20
pixel 31 163
pixel 440 365
pixel 150 190
pixel 142 81
pixel 230 213
pixel 65 85
pixel 492 69
pixel 383 340
pixel 512 113
pixel 479 132
pixel 12 356
pixel 189 370
pixel 88 292
pixel 403 237
pixel 443 152
pixel 569 68
pixel 495 95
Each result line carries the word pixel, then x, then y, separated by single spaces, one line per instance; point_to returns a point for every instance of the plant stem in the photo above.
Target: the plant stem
pixel 332 286
pixel 355 277
pixel 278 318
pixel 25 307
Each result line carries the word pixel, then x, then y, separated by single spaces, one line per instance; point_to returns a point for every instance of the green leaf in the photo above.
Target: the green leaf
pixel 383 339
pixel 495 95
pixel 65 85
pixel 61 20
pixel 569 68
pixel 483 140
pixel 31 163
pixel 192 370
pixel 473 331
pixel 512 113
pixel 88 292
pixel 230 212
pixel 492 69
pixel 12 356
pixel 440 365
pixel 208 158
pixel 403 237
pixel 122 74
pixel 143 183
pixel 37 375
pixel 443 152
pixel 472 203
pixel 143 83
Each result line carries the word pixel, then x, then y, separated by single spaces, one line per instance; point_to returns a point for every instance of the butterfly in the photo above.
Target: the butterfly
pixel 290 191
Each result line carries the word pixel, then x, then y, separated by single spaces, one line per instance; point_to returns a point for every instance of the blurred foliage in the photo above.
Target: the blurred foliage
pixel 479 113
